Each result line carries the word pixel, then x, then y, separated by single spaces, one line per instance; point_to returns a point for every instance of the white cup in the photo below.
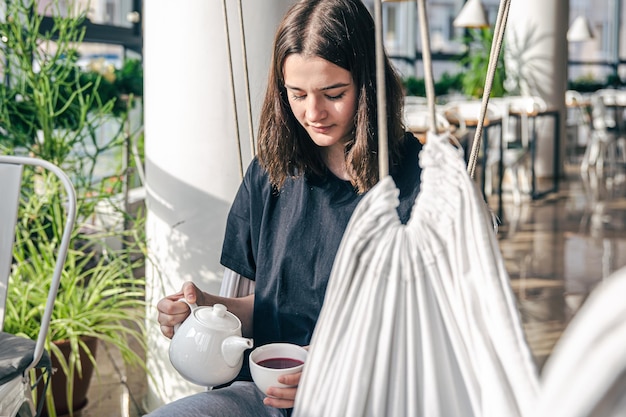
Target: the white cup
pixel 270 361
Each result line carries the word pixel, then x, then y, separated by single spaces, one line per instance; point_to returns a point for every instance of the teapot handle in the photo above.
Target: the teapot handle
pixel 192 307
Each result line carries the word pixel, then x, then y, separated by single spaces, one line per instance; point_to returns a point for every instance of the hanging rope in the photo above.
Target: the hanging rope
pixel 496 46
pixel 428 66
pixel 232 87
pixel 244 55
pixel 381 99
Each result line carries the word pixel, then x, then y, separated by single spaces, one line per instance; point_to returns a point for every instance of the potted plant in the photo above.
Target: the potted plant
pixel 100 297
pixel 476 63
pixel 51 109
pixel 446 84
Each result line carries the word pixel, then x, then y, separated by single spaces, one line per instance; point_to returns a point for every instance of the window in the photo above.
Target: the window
pixel 108 21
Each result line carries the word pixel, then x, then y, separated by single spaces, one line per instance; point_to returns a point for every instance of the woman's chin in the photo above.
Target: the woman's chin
pixel 324 142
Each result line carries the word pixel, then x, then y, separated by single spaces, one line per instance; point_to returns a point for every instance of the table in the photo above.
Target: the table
pixel 533 116
pixel 535 193
pixel 420 132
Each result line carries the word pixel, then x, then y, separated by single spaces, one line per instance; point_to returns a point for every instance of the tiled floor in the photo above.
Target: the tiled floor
pixel 556 249
pixel 118 391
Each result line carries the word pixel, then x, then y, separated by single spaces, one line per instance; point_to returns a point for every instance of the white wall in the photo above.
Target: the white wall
pixel 192 168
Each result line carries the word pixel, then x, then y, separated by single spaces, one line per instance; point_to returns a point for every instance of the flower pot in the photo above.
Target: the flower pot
pixel 59 381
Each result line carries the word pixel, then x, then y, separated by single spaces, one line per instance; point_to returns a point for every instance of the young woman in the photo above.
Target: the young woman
pixel 317 157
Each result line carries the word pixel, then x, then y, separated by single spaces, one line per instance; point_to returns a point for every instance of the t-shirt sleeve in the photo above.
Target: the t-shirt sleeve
pixel 238 249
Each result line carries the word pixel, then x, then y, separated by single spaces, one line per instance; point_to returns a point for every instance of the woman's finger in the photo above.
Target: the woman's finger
pixel 190 292
pixel 280 397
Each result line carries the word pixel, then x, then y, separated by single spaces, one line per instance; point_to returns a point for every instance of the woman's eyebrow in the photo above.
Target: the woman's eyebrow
pixel 330 87
pixel 338 85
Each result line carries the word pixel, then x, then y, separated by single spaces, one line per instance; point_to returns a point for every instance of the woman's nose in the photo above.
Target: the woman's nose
pixel 315 109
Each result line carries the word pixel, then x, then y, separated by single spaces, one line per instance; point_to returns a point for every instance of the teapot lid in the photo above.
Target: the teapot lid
pixel 217 317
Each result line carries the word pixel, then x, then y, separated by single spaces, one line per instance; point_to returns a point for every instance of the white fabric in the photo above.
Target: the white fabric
pixel 235 285
pixel 586 374
pixel 419 319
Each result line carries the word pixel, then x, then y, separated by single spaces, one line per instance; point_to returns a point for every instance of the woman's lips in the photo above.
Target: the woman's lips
pixel 320 129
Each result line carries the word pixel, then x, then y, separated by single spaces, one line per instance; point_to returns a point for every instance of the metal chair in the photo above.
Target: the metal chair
pixel 18 355
pixel 606 143
pixel 516 137
pixel 578 123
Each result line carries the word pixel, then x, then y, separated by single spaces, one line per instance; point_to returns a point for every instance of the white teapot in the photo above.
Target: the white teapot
pixel 207 348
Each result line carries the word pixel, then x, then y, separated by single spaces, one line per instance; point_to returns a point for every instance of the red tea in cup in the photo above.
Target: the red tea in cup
pixel 280 363
pixel 269 362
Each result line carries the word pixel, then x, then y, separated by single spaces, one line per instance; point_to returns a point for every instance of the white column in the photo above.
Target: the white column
pixel 536 55
pixel 192 168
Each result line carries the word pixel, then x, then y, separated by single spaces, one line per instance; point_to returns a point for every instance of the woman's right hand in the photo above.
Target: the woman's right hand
pixel 173 312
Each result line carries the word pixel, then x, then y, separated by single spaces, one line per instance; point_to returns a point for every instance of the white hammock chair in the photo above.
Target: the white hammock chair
pixel 419 319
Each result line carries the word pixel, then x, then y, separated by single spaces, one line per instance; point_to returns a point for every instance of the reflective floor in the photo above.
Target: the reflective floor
pixel 556 250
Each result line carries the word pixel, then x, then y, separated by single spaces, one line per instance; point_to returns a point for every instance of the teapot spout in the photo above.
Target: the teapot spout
pixel 233 347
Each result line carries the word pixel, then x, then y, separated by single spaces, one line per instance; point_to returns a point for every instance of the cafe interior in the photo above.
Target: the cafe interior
pixel 550 164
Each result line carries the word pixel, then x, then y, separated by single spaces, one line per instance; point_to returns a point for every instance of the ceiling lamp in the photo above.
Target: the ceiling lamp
pixel 472 15
pixel 580 30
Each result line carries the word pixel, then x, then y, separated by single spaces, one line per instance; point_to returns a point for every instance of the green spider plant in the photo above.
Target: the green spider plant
pixel 100 295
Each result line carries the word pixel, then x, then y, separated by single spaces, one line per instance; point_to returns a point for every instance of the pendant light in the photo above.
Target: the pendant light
pixel 472 15
pixel 580 30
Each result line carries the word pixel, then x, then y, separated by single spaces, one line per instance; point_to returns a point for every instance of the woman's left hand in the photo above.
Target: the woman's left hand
pixel 283 397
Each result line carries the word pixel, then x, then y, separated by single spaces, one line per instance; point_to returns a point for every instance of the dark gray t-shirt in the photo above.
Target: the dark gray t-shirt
pixel 286 241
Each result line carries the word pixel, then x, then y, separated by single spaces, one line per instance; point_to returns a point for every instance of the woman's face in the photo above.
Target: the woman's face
pixel 322 96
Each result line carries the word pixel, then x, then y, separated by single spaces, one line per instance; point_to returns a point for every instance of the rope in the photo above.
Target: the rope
pixel 246 79
pixel 496 45
pixel 383 149
pixel 428 66
pixel 232 87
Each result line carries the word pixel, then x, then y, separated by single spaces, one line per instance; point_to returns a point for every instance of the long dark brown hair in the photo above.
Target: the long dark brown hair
pixel 343 33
